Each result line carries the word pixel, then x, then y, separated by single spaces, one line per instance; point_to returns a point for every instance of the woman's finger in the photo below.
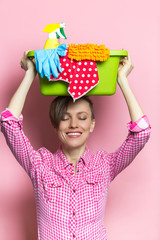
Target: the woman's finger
pixel 26 53
pixel 129 59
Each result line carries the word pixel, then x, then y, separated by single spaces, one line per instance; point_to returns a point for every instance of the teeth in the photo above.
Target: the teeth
pixel 73 134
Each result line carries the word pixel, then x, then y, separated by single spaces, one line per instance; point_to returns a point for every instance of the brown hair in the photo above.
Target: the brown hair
pixel 60 104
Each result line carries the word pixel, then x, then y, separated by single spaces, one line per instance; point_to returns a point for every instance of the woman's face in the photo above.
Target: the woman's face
pixel 76 125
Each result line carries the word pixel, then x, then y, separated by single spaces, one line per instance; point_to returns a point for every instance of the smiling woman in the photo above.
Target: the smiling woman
pixel 71 185
pixel 74 124
pixel 59 105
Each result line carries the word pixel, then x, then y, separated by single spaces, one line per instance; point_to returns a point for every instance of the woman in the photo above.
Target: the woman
pixel 71 185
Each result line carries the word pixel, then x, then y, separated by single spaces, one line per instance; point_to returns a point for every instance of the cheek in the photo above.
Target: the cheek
pixel 62 126
pixel 61 136
pixel 87 126
pixel 60 130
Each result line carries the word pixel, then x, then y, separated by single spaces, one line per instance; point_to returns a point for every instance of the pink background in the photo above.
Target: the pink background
pixel 133 207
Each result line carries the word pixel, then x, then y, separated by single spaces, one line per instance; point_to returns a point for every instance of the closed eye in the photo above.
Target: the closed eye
pixel 81 118
pixel 65 117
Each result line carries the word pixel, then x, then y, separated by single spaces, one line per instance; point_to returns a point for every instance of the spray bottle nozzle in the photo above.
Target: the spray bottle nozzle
pixel 55 30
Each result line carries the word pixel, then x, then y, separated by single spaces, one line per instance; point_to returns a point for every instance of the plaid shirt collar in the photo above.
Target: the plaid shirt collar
pixel 64 163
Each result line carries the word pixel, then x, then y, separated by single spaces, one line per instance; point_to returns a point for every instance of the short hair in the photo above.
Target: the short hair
pixel 59 106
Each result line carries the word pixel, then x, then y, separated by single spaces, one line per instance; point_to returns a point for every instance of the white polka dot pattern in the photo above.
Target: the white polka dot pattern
pixel 80 73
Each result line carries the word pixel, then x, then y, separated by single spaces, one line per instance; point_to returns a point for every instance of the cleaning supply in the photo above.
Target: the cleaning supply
pixel 83 69
pixel 55 31
pixel 82 76
pixel 47 59
pixel 88 52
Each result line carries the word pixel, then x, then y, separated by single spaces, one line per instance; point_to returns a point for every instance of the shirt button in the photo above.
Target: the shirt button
pixel 74 236
pixel 77 170
pixel 74 190
pixel 74 213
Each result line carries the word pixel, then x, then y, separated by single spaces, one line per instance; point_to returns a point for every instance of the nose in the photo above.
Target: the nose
pixel 73 123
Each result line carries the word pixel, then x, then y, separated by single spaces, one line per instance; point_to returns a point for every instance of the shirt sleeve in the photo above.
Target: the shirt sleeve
pixel 19 144
pixel 139 133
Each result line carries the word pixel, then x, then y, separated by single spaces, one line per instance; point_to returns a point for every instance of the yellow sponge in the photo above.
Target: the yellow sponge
pixel 88 52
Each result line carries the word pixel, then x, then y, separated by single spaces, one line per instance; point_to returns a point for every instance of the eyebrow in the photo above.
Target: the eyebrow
pixel 77 113
pixel 82 112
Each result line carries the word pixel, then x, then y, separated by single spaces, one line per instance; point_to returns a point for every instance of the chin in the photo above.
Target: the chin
pixel 74 145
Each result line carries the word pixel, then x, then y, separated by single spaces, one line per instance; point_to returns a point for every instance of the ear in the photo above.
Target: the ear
pixel 55 130
pixel 92 125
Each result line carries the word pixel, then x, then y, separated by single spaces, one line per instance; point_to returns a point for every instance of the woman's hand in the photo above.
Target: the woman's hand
pixel 27 64
pixel 125 67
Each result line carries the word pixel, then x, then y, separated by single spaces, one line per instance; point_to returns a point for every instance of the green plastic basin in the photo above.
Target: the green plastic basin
pixel 107 72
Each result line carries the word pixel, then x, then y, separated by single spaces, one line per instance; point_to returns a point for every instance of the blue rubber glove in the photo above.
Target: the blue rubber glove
pixel 47 61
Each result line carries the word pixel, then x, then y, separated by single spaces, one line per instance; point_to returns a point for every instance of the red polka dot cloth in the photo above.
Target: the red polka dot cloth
pixel 72 206
pixel 82 76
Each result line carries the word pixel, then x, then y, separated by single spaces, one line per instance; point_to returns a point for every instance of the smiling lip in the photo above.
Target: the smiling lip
pixel 73 134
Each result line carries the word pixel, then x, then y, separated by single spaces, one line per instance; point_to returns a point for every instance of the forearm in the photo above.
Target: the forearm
pixel 136 139
pixel 17 101
pixel 18 143
pixel 134 107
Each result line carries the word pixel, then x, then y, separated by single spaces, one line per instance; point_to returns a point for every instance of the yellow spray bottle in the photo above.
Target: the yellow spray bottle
pixel 55 31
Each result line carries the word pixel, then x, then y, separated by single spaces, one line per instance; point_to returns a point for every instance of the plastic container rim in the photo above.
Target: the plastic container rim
pixel 113 53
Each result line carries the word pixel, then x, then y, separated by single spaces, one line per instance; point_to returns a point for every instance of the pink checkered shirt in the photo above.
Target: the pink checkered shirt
pixel 70 207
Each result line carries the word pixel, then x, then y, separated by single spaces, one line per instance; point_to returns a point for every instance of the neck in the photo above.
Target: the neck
pixel 73 155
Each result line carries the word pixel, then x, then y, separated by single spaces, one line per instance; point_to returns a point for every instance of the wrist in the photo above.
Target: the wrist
pixel 31 73
pixel 123 81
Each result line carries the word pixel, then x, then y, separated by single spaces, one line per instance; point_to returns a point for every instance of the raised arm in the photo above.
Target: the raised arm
pixel 139 127
pixel 17 101
pixel 134 107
